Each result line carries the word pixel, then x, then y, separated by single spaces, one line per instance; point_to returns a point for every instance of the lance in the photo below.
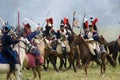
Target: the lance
pixel 46 17
pixel 73 19
pixel 18 29
pixel 82 22
pixel 118 21
pixel 2 21
pixel 18 22
pixel 31 22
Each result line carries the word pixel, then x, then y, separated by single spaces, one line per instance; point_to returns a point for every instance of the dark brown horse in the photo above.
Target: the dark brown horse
pixel 53 54
pixel 114 49
pixel 86 56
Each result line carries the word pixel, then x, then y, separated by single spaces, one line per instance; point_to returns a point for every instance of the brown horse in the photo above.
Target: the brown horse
pixel 86 56
pixel 30 61
pixel 53 54
pixel 114 48
pixel 49 56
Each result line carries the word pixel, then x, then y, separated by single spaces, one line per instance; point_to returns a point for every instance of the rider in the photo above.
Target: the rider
pixel 67 24
pixel 7 41
pixel 32 46
pixel 93 35
pixel 49 31
pixel 61 35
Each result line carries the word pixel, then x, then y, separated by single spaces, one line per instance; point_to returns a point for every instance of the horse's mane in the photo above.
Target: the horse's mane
pixel 102 40
pixel 82 40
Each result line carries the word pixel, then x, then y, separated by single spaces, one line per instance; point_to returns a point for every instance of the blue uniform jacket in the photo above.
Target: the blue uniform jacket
pixel 95 36
pixel 7 40
pixel 32 35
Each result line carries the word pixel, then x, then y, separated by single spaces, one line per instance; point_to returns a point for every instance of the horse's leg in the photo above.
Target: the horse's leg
pixel 74 67
pixel 99 63
pixel 78 57
pixel 45 68
pixel 48 61
pixel 34 74
pixel 72 60
pixel 53 61
pixel 78 63
pixel 61 63
pixel 38 68
pixel 103 57
pixel 69 64
pixel 86 66
pixel 115 54
pixel 119 59
pixel 65 62
pixel 8 76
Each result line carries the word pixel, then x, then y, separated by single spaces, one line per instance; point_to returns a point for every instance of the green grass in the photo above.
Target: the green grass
pixel 93 74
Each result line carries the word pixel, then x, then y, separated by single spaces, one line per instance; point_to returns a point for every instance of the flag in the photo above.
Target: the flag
pixel 75 22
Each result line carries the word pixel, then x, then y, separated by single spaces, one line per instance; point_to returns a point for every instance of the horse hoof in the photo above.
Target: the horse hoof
pixel 75 71
pixel 103 75
pixel 57 70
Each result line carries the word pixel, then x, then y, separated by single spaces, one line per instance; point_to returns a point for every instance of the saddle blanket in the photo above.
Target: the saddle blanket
pixel 32 60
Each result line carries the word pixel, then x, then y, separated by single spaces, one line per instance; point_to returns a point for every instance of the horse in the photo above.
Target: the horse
pixel 29 62
pixel 86 55
pixel 51 55
pixel 42 43
pixel 74 54
pixel 114 48
pixel 5 68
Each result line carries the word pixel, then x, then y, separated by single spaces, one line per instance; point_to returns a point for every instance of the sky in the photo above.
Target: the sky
pixel 107 11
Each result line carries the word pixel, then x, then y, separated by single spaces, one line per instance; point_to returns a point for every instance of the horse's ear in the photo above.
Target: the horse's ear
pixel 79 35
pixel 101 36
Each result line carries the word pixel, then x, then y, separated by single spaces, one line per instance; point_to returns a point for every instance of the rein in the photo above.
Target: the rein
pixel 24 43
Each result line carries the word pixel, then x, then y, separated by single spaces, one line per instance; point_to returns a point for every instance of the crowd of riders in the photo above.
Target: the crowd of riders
pixel 65 31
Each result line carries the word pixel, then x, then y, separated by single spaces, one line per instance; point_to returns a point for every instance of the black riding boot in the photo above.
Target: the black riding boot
pixel 12 67
pixel 97 55
pixel 64 51
pixel 37 61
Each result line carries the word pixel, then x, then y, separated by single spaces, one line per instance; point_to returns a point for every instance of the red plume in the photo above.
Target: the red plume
pixel 26 25
pixel 65 21
pixel 94 21
pixel 47 20
pixel 51 20
pixel 86 24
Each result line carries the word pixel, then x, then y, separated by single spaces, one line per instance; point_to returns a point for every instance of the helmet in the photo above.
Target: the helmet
pixel 85 20
pixel 7 27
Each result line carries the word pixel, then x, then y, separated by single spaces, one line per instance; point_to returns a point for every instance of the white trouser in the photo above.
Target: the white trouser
pixel 93 46
pixel 62 43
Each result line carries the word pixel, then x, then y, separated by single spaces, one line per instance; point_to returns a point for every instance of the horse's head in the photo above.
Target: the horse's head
pixel 102 40
pixel 76 40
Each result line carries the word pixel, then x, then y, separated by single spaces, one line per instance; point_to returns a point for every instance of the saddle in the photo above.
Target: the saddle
pixel 59 47
pixel 92 46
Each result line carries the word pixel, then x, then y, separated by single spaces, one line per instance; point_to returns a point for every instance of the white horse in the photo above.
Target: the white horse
pixel 5 68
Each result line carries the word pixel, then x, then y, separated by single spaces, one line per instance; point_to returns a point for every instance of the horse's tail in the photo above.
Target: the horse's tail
pixel 110 60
